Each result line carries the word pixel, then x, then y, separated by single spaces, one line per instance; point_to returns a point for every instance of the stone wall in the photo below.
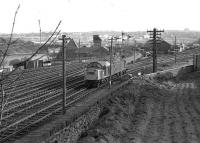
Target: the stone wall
pixel 72 132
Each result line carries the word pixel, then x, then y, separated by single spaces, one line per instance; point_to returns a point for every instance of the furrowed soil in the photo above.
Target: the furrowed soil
pixel 151 112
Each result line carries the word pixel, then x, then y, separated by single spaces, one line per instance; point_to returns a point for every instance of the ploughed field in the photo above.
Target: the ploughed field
pixel 151 112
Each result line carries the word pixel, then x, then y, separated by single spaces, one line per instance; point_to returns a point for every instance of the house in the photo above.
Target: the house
pixel 163 47
pixel 100 52
pixel 70 50
pixel 181 47
pixel 28 64
pixel 96 50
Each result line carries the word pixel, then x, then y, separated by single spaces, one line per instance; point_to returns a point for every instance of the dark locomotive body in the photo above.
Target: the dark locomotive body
pixel 98 72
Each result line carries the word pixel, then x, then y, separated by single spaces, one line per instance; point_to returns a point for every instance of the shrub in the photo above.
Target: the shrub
pixel 14 61
pixel 164 76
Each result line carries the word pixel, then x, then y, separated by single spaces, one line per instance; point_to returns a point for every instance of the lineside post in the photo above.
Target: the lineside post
pixel 63 74
pixel 110 77
pixel 79 46
pixel 175 50
pixel 122 47
pixel 134 50
pixel 154 35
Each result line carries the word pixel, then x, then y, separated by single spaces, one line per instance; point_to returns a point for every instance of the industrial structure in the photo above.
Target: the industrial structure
pixel 96 41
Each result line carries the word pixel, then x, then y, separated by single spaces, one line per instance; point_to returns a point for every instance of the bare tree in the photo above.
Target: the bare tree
pixel 10 39
pixel 1 64
pixel 4 77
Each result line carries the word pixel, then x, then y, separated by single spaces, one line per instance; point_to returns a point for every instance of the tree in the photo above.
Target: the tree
pixel 14 61
pixel 3 77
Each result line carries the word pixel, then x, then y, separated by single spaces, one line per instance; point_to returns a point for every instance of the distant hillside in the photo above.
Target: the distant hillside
pixel 19 46
pixel 86 38
pixel 196 41
pixel 168 35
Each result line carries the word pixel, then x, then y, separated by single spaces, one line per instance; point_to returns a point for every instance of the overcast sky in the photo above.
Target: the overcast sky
pixel 93 15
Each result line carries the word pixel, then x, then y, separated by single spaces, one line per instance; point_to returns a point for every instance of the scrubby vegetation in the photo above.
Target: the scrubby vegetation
pixel 163 76
pixel 150 112
pixel 19 46
pixel 14 61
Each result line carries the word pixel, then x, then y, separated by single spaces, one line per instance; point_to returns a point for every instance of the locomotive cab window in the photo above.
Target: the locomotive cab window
pixel 94 65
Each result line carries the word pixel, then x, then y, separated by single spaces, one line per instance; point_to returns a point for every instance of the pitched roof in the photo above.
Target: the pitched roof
pixel 71 44
pixel 162 46
pixel 100 52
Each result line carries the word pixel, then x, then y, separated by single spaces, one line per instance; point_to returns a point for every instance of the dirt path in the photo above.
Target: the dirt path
pixel 170 115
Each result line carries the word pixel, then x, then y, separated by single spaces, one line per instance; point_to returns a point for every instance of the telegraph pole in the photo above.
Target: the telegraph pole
pixel 122 42
pixel 134 49
pixel 111 53
pixel 122 37
pixel 115 50
pixel 79 46
pixel 40 30
pixel 155 33
pixel 110 72
pixel 64 74
pixel 175 50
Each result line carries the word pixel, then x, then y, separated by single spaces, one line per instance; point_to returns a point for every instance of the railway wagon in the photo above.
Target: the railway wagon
pixel 98 72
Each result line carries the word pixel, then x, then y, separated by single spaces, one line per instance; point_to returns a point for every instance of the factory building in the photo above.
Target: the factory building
pixel 96 41
pixel 70 49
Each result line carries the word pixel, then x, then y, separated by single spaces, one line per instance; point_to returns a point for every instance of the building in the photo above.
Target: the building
pixel 96 41
pixel 70 49
pixel 180 47
pixel 162 48
pixel 28 64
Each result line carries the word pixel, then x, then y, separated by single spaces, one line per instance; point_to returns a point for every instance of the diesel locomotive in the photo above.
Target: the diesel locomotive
pixel 98 72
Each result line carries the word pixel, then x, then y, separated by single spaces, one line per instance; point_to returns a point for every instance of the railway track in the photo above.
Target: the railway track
pixel 30 114
pixel 160 60
pixel 8 133
pixel 44 105
pixel 22 101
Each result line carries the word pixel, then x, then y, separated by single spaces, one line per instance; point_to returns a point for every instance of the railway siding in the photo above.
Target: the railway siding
pixel 56 129
pixel 76 111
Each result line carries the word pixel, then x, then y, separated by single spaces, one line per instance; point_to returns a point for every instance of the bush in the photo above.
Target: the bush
pixel 163 76
pixel 14 61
